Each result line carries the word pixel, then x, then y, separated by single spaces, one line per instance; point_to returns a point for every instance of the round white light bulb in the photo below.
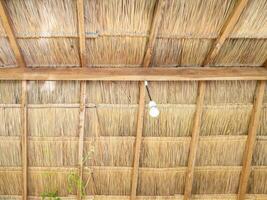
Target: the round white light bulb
pixel 153 109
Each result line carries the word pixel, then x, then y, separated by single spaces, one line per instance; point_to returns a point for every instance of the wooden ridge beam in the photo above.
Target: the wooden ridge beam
pixel 158 12
pixel 24 140
pixel 154 29
pixel 226 30
pixel 82 53
pixel 252 132
pixel 251 139
pixel 224 34
pixel 138 140
pixel 81 31
pixel 136 74
pixel 194 140
pixel 11 35
pixel 81 136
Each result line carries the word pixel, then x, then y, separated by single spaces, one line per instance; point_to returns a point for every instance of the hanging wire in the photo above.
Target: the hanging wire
pixel 147 89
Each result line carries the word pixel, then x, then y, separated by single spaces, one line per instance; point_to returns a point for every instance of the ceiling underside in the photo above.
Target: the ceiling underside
pixel 116 34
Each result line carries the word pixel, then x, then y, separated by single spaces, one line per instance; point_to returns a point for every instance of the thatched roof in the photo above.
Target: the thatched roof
pixel 53 131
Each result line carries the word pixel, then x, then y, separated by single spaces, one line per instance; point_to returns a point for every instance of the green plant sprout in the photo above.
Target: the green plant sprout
pixel 50 195
pixel 74 180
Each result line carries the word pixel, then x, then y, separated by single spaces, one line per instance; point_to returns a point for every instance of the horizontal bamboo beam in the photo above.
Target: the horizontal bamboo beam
pixel 136 74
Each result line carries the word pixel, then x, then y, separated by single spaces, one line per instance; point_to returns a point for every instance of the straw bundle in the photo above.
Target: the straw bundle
pixel 216 181
pixel 53 121
pixel 257 182
pixel 7 58
pixel 60 92
pixel 115 51
pixel 259 155
pixel 48 153
pixel 262 130
pixel 160 183
pixel 164 153
pixel 226 120
pixel 173 121
pixel 10 153
pixel 107 151
pixel 57 52
pixel 10 182
pixel 50 17
pixel 195 18
pixel 246 52
pixel 10 92
pixel 48 181
pixel 102 92
pixel 180 52
pixel 10 121
pixel 111 121
pixel 251 21
pixel 173 92
pixel 108 181
pixel 220 151
pixel 230 92
pixel 118 16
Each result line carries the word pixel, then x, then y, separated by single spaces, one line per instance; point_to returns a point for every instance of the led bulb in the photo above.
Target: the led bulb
pixel 153 109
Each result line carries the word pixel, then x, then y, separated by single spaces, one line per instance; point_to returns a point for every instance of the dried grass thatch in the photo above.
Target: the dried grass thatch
pixel 10 182
pixel 173 121
pixel 230 92
pixel 257 182
pixel 108 181
pixel 223 181
pixel 10 122
pixel 50 52
pixel 10 153
pixel 191 18
pixel 221 151
pixel 242 52
pixel 173 92
pixel 53 121
pixel 115 51
pixel 10 92
pixel 102 92
pixel 225 120
pixel 7 58
pixel 118 16
pixel 180 52
pixel 259 155
pixel 45 18
pixel 160 182
pixel 164 152
pixel 53 92
pixel 262 130
pixel 53 153
pixel 111 121
pixel 48 181
pixel 251 22
pixel 106 151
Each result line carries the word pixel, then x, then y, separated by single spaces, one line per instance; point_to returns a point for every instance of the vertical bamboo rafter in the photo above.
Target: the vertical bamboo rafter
pixel 158 12
pixel 6 22
pixel 82 53
pixel 224 34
